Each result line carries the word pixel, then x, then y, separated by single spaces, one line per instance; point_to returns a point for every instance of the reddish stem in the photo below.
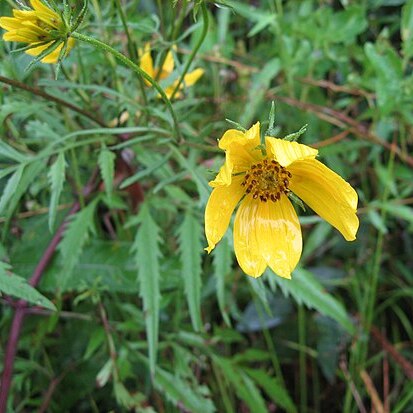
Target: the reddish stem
pixel 21 307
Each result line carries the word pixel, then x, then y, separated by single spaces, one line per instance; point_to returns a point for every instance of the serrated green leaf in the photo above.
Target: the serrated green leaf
pixel 10 187
pixel 307 290
pixel 191 249
pixel 56 177
pixel 222 260
pixel 179 391
pixel 77 232
pixel 106 161
pixel 147 255
pixel 16 286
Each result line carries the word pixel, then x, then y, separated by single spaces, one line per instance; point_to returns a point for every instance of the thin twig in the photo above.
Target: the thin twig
pixel 38 92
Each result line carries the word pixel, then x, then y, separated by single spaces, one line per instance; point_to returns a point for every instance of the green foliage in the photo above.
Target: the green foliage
pixel 147 321
pixel 12 284
pixel 191 249
pixel 307 290
pixel 57 178
pixel 147 255
pixel 77 233
pixel 106 161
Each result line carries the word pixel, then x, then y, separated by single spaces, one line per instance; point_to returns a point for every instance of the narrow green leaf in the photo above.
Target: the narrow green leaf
pixel 147 255
pixel 407 21
pixel 30 173
pixel 106 163
pixel 76 235
pixel 273 388
pixel 56 178
pixel 191 249
pixel 179 391
pixel 148 171
pixel 306 289
pixel 9 152
pixel 16 286
pixel 10 188
pixel 243 386
pixel 222 260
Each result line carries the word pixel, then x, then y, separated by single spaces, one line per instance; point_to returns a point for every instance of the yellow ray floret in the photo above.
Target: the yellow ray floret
pixel 267 232
pixel 163 73
pixel 39 28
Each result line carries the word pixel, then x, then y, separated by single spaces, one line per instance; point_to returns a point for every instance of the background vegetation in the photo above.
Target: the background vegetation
pixel 145 321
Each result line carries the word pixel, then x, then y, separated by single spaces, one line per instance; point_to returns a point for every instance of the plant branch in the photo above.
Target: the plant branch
pixel 38 92
pixel 105 47
pixel 21 305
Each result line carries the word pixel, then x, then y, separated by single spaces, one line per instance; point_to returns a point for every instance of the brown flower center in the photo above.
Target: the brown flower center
pixel 266 180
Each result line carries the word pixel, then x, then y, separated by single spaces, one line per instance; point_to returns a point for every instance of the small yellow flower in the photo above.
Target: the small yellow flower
pixel 39 28
pixel 266 228
pixel 146 64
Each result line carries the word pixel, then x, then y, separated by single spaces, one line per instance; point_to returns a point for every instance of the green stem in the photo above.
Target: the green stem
pixel 103 46
pixel 131 48
pixel 196 48
pixel 302 359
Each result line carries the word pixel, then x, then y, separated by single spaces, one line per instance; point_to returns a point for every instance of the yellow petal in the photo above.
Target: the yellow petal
pixel 218 211
pixel 168 65
pixel 280 236
pixel 267 233
pixel 192 77
pixel 246 238
pixel 21 35
pixel 146 62
pixel 329 195
pixel 9 23
pixel 286 152
pixel 251 136
pixel 45 14
pixel 224 176
pixel 53 56
pixel 242 147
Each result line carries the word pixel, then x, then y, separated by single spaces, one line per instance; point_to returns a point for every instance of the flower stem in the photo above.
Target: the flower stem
pixel 196 48
pixel 103 46
pixel 133 53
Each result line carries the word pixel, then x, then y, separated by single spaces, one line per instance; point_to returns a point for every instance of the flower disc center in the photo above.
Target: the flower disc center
pixel 266 180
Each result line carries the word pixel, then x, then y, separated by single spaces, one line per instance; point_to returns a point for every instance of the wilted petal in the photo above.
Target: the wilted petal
pixel 218 211
pixel 286 152
pixel 329 195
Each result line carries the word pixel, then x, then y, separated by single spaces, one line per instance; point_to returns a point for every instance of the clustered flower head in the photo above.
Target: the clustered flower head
pixel 164 72
pixel 267 232
pixel 41 28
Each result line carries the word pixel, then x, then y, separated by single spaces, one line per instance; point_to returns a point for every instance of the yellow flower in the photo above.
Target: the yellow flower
pixel 146 64
pixel 39 28
pixel 266 228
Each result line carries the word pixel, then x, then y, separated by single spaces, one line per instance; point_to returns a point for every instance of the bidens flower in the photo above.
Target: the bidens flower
pixel 146 64
pixel 266 228
pixel 39 28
